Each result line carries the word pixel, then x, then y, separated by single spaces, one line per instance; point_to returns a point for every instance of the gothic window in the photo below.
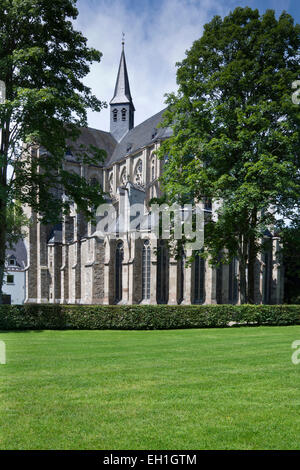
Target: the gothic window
pixel 115 115
pixel 199 280
pixel 153 170
pixel 110 183
pixel 181 276
pixel 123 177
pixel 207 204
pixel 162 273
pixel 123 114
pixel 146 270
pixel 138 173
pixel 267 277
pixel 119 271
pixel 94 181
pixel 232 282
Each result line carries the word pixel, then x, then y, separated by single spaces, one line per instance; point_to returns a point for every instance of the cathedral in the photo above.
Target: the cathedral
pixel 70 263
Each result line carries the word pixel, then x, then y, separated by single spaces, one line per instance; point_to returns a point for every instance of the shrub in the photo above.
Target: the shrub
pixel 143 317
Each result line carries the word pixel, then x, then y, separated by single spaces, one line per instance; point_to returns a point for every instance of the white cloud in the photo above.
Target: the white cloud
pixel 156 37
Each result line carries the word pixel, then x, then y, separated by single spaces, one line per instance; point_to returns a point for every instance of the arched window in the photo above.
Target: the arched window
pixel 123 114
pixel 94 181
pixel 146 270
pixel 115 115
pixel 181 276
pixel 123 177
pixel 153 170
pixel 119 271
pixel 232 282
pixel 162 273
pixel 199 280
pixel 267 277
pixel 138 173
pixel 110 183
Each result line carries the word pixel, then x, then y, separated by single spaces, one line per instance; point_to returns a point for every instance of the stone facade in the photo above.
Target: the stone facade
pixel 71 263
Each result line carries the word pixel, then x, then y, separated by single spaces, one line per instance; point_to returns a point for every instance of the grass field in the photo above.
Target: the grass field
pixel 191 389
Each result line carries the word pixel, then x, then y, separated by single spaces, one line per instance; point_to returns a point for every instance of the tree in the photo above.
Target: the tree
pixel 236 132
pixel 290 237
pixel 43 60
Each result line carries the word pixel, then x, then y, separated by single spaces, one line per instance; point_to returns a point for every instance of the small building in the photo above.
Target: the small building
pixel 14 276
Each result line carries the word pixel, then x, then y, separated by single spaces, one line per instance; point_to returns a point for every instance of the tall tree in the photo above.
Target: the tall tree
pixel 43 60
pixel 236 132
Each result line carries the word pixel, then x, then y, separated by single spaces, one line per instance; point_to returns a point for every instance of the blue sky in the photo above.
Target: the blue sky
pixel 157 34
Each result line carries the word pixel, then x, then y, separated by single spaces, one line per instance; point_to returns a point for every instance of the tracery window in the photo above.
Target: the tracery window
pixel 123 177
pixel 110 183
pixel 119 271
pixel 152 169
pixel 199 279
pixel 138 173
pixel 267 277
pixel 162 273
pixel 232 282
pixel 146 270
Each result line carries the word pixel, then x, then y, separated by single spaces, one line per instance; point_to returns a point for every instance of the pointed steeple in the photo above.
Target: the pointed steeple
pixel 121 105
pixel 122 90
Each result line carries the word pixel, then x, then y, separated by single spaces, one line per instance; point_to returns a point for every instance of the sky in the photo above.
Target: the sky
pixel 157 34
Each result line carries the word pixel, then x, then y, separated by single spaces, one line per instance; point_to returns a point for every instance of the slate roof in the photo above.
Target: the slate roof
pixel 122 90
pixel 139 137
pixel 19 251
pixel 89 136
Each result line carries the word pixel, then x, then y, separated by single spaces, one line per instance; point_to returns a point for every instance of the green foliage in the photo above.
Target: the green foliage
pixel 43 60
pixel 290 237
pixel 146 317
pixel 16 223
pixel 234 115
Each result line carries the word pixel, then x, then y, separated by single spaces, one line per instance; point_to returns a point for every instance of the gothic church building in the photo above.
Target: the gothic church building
pixel 70 263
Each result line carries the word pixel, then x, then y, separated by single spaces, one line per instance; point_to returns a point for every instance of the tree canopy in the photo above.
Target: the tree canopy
pixel 236 132
pixel 43 60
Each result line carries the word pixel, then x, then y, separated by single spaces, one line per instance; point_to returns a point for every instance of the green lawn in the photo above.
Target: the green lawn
pixel 190 389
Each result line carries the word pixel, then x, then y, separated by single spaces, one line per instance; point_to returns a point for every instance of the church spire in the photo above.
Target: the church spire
pixel 121 105
pixel 122 90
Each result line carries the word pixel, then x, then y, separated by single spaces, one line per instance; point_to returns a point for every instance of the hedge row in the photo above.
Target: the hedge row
pixel 143 317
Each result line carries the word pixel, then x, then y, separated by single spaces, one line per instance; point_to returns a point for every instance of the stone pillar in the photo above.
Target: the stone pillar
pixel 42 264
pixel 31 271
pixel 173 281
pixel 153 292
pixel 210 284
pixel 109 271
pixel 67 237
pixel 277 273
pixel 188 283
pixel 135 271
pixel 125 272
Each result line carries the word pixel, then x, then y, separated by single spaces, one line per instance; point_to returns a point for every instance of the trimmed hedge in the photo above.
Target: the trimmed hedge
pixel 143 317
